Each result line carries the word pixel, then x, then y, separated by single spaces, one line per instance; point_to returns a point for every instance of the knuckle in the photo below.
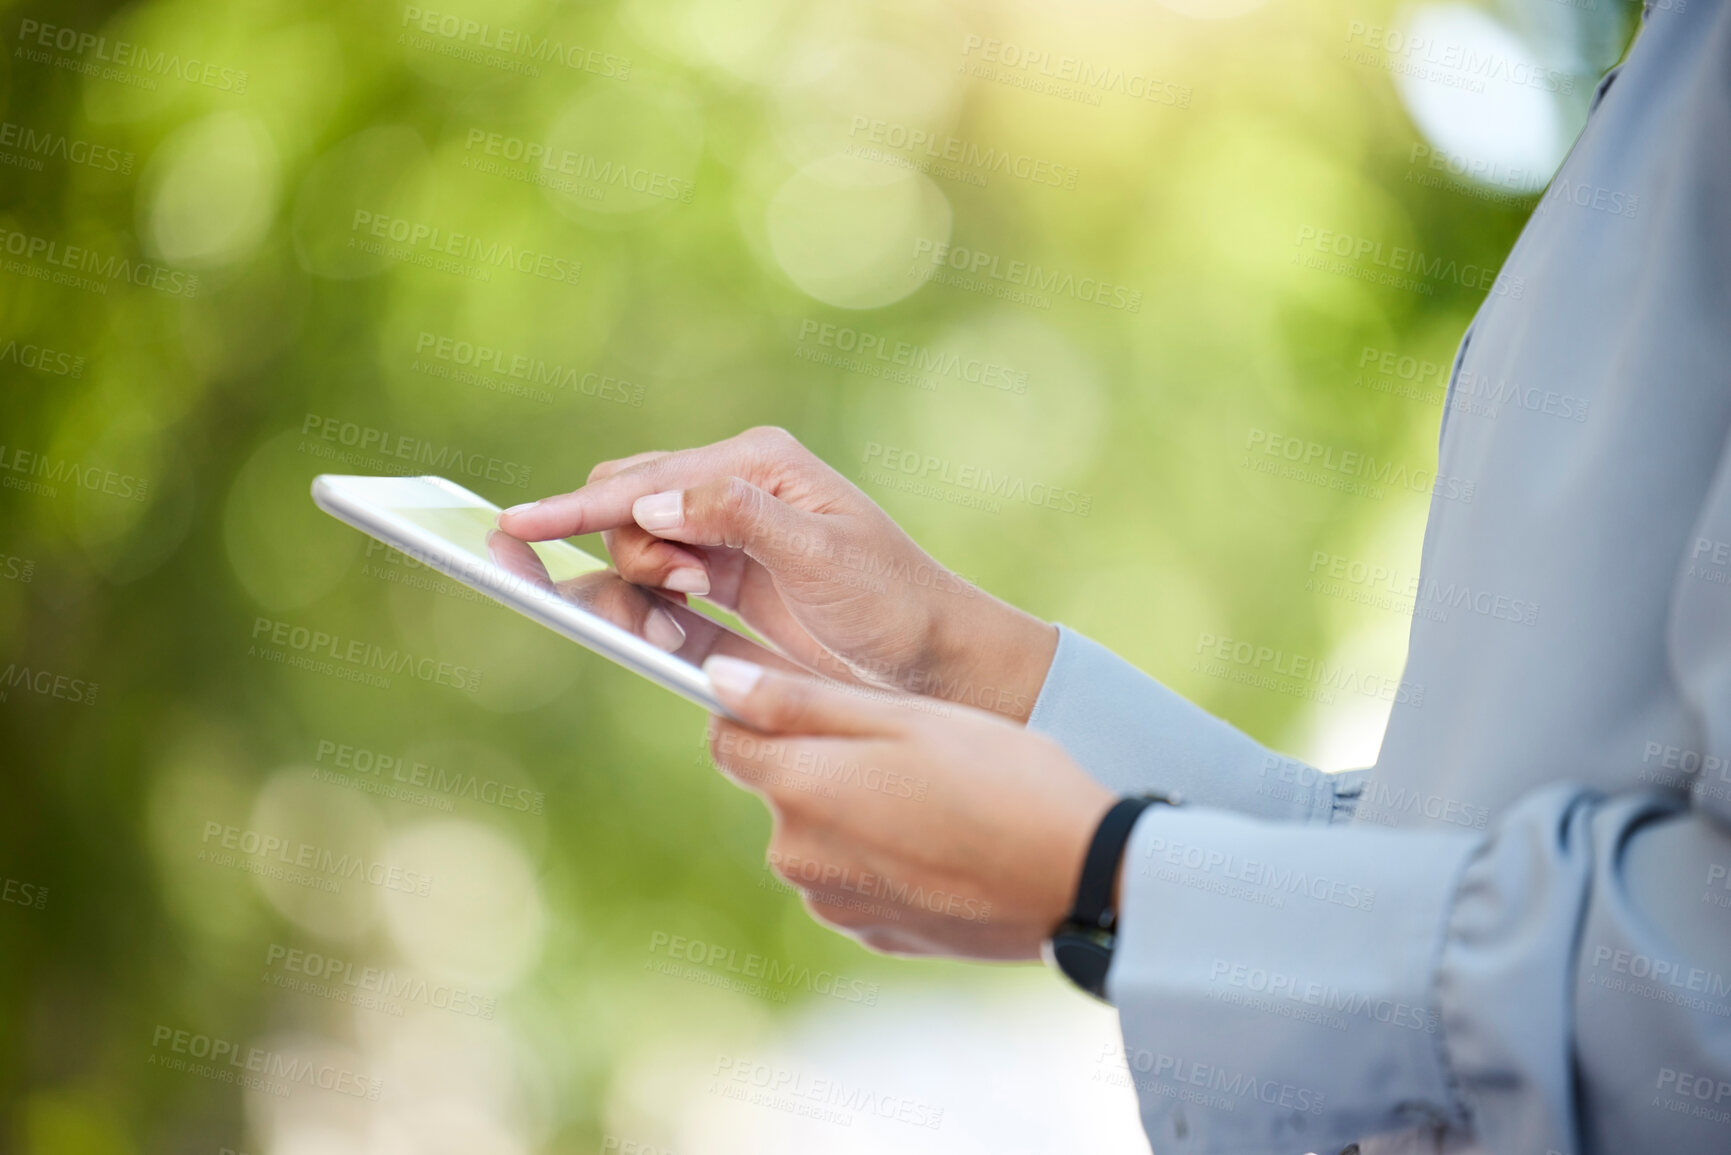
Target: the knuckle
pixel 771 437
pixel 618 465
pixel 736 495
pixel 738 502
pixel 631 554
pixel 791 705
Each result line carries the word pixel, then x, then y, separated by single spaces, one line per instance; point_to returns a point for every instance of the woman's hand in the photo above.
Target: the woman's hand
pixel 602 592
pixel 917 827
pixel 759 525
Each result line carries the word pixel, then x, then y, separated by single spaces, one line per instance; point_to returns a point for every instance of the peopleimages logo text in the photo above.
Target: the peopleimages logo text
pixel 327 969
pixel 929 468
pixel 42 359
pixel 417 236
pixel 1318 671
pixel 78 264
pixel 974 262
pixel 1277 878
pixel 582 167
pixel 955 150
pixel 515 43
pixel 798 1089
pixel 537 371
pixel 270 1064
pixel 414 772
pixel 1399 259
pixel 38 144
pixel 125 54
pixel 48 684
pixel 1278 985
pixel 919 358
pixel 48 473
pixel 420 453
pixel 364 655
pixel 750 965
pixel 1085 74
pixel 1358 467
pixel 1234 1086
pixel 1430 59
pixel 321 859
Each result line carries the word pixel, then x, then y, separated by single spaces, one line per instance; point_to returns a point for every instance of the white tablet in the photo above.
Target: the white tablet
pixel 444 526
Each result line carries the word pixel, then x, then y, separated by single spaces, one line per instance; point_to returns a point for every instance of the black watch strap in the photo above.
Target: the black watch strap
pixel 1083 943
pixel 1093 906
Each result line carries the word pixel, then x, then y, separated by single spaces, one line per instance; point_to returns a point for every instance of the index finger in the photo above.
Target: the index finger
pixel 606 503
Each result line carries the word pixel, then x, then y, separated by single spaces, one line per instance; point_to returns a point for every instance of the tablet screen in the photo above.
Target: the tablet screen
pixel 470 527
pixel 588 583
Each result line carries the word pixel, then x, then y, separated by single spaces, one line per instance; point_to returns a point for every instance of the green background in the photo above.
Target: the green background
pixel 691 316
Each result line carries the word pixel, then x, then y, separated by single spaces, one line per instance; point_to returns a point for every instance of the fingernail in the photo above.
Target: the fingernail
pixel 663 631
pixel 516 509
pixel 664 510
pixel 687 580
pixel 732 676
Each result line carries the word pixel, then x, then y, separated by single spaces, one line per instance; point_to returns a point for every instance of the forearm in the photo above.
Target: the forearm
pixel 988 654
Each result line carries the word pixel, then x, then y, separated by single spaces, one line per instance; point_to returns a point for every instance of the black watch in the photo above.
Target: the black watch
pixel 1082 944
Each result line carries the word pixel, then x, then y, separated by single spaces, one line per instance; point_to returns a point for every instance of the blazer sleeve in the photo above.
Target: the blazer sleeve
pixel 1558 983
pixel 1133 734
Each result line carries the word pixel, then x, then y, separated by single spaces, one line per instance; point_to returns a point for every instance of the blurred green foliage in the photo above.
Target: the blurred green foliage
pixel 197 185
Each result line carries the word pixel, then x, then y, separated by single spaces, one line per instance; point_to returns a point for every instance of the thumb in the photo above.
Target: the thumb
pixel 772 702
pixel 729 512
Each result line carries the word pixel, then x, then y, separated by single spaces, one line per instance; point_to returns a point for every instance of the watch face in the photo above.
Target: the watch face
pixel 1083 956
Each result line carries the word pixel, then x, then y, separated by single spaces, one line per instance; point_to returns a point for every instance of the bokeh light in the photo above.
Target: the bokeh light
pixel 312 802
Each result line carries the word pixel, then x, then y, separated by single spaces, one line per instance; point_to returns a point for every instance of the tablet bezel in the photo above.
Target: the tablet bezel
pixel 369 504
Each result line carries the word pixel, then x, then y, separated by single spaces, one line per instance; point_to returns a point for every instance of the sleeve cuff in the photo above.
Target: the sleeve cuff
pixel 1276 983
pixel 1133 734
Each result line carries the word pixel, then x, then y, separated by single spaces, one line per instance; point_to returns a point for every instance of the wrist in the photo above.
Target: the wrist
pixel 1080 828
pixel 987 653
pixel 1083 944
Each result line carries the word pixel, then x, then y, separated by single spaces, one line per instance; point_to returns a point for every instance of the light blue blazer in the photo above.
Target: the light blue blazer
pixel 1513 934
